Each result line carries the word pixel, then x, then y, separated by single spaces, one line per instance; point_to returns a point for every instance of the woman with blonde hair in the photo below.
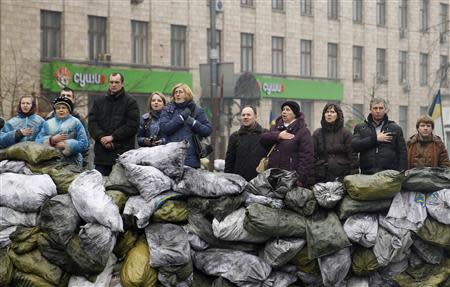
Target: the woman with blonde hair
pixel 182 119
pixel 149 133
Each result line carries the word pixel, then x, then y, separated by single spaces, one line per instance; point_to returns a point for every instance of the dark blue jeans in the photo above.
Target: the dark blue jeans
pixel 105 170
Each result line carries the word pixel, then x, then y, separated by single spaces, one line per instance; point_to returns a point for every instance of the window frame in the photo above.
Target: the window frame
pixel 247 50
pixel 358 11
pixel 178 48
pixel 381 65
pixel 50 31
pixel 332 60
pixel 277 55
pixel 424 15
pixel 423 69
pixel 358 63
pixel 139 41
pixel 306 8
pixel 306 58
pixel 97 36
pixel 381 13
pixel 333 9
pixel 403 68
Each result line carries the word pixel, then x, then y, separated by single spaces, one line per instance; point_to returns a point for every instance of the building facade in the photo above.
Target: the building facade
pixel 307 50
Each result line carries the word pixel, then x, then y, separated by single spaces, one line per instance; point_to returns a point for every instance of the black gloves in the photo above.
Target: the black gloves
pixel 186 113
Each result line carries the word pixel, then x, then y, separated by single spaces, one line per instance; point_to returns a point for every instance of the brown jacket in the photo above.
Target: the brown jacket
pixel 427 153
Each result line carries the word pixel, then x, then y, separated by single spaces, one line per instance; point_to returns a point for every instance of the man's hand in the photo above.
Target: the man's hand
pixel 109 146
pixel 106 140
pixel 284 135
pixel 384 137
pixel 59 138
pixel 26 131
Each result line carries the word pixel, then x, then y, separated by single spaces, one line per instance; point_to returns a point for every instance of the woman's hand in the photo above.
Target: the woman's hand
pixel 26 131
pixel 60 145
pixel 59 138
pixel 284 135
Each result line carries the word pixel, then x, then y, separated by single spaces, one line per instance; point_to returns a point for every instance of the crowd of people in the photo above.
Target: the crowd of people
pixel 329 154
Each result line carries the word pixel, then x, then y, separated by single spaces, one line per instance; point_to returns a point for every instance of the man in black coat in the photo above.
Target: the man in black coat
pixel 379 141
pixel 113 124
pixel 244 150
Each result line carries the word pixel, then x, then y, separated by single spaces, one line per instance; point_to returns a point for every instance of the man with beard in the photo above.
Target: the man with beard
pixel 113 124
pixel 244 149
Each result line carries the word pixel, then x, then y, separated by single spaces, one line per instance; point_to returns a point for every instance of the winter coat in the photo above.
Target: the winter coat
pixel 429 152
pixel 77 142
pixel 74 113
pixel 176 129
pixel 244 151
pixel 333 154
pixel 116 115
pixel 8 134
pixel 376 156
pixel 294 154
pixel 149 128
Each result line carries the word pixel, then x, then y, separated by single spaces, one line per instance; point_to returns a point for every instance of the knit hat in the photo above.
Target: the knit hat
pixel 63 101
pixel 294 107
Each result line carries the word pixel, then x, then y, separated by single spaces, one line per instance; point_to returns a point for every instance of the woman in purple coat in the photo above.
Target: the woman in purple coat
pixel 294 148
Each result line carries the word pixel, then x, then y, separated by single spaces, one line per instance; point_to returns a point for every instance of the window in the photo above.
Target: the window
pixel 277 4
pixel 423 73
pixel 423 110
pixel 381 66
pixel 247 3
pixel 357 112
pixel 246 52
pixel 178 45
pixel 403 119
pixel 277 55
pixel 218 44
pixel 305 58
pixel 403 18
pixel 403 67
pixel 50 34
pixel 444 70
pixel 357 11
pixel 306 8
pixel 443 23
pixel 97 37
pixel 139 42
pixel 424 6
pixel 332 60
pixel 333 9
pixel 357 63
pixel 381 12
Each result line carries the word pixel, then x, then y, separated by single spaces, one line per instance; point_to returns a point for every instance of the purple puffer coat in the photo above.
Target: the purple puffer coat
pixel 295 154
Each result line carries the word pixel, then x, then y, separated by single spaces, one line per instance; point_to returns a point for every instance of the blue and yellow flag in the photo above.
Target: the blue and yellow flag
pixel 272 119
pixel 435 112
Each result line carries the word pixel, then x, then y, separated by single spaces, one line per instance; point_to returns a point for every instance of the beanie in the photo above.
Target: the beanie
pixel 294 107
pixel 63 101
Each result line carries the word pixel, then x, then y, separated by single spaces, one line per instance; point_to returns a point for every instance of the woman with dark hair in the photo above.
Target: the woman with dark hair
pixel 292 142
pixel 333 154
pixel 149 133
pixel 24 126
pixel 182 119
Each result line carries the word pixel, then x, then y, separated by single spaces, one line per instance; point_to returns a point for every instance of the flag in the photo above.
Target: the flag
pixel 272 119
pixel 435 112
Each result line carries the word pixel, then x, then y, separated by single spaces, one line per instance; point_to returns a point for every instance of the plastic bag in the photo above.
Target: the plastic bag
pixel 102 280
pixel 125 241
pixel 218 207
pixel 9 217
pixel 429 253
pixel 195 241
pixel 168 158
pixel 328 194
pixel 408 210
pixel 381 185
pixel 31 152
pixel 301 200
pixel 438 205
pixel 25 193
pixel 240 268
pixel 62 174
pixel 362 229
pixel 349 206
pixel 207 184
pixel 118 197
pixel 4 236
pixel 174 211
pixel 97 241
pixel 231 228
pixel 117 180
pixel 390 248
pixel 14 167
pixel 278 252
pixel 280 279
pixel 136 270
pixel 274 182
pixel 334 267
pixel 306 265
pixel 435 233
pixel 264 200
pixel 175 276
pixel 325 235
pixel 427 179
pixel 91 202
pixel 394 268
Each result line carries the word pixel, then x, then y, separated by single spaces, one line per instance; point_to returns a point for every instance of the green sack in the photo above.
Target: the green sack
pixel 348 206
pixel 301 200
pixel 119 198
pixel 381 185
pixel 34 263
pixel 427 275
pixel 24 239
pixel 125 241
pixel 31 152
pixel 175 275
pixel 304 264
pixel 427 179
pixel 61 173
pixel 201 280
pixel 325 234
pixel 435 233
pixel 6 268
pixel 117 180
pixel 218 207
pixel 364 262
pixel 171 211
pixel 263 220
pixel 135 270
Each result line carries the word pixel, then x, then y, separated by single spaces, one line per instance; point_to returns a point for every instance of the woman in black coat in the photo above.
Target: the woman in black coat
pixel 333 155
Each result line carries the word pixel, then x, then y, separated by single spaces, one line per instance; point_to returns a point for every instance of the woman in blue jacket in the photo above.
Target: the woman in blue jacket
pixel 24 126
pixel 182 119
pixel 65 132
pixel 149 133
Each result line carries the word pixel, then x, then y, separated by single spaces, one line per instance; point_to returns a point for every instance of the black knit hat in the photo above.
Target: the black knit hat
pixel 63 101
pixel 294 107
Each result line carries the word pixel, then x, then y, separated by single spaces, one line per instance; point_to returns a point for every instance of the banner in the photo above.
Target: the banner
pixel 435 112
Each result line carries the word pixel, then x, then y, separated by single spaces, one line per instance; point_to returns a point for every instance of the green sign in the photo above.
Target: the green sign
pixel 56 75
pixel 300 89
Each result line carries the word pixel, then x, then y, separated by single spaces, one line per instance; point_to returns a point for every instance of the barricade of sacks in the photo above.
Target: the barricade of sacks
pixel 154 222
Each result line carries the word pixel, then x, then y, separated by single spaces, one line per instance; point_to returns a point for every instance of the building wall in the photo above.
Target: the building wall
pixel 20 43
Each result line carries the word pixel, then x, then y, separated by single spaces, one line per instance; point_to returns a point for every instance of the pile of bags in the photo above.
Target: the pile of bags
pixel 155 222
